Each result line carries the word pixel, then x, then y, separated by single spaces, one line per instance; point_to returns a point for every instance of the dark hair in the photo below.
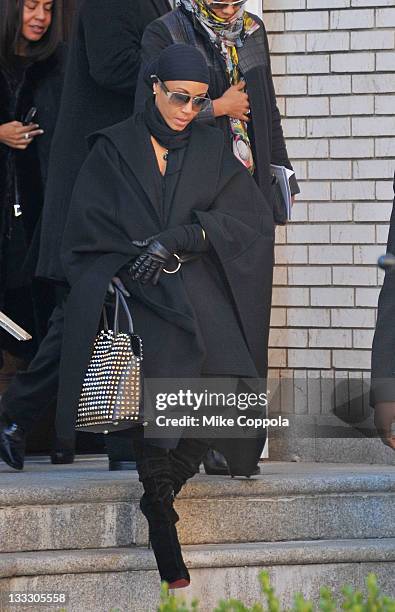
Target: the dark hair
pixel 11 20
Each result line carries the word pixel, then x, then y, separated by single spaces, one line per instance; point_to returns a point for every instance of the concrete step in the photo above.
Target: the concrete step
pixel 86 507
pixel 126 579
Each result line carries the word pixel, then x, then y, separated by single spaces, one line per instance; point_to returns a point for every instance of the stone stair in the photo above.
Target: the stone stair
pixel 77 529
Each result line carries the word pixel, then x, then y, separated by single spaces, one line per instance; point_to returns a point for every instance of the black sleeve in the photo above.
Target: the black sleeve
pixel 189 237
pixel 279 150
pixel 156 37
pixel 239 214
pixel 112 31
pixel 240 228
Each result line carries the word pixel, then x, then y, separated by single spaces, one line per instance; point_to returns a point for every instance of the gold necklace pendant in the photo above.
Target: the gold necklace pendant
pixel 166 155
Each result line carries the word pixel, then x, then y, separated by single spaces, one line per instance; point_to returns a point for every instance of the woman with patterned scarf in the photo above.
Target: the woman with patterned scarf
pixel 228 36
pixel 235 46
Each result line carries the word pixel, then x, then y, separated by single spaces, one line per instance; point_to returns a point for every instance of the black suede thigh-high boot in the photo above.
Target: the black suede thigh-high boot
pixel 156 504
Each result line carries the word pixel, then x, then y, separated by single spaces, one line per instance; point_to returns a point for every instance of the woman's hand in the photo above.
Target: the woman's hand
pixel 18 136
pixel 234 103
pixel 116 281
pixel 149 265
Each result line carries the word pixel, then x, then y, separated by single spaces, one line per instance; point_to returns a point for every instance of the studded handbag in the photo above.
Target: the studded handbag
pixel 112 395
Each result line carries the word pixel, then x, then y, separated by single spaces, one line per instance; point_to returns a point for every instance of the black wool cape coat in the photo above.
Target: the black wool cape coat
pixel 115 202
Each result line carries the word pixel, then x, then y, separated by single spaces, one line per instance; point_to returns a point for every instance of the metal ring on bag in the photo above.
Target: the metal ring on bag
pixel 178 265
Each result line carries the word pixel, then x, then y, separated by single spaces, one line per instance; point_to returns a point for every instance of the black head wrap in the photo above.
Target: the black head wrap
pixel 181 62
pixel 177 62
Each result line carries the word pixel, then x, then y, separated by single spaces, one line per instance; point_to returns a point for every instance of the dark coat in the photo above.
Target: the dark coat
pixel 38 84
pixel 383 350
pixel 254 61
pixel 115 202
pixel 100 82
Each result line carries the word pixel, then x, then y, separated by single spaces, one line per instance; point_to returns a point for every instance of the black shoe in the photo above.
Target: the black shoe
pixel 255 472
pixel 215 464
pixel 12 445
pixel 120 466
pixel 62 457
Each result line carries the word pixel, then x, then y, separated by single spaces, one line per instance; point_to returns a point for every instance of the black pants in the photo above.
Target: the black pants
pixel 32 391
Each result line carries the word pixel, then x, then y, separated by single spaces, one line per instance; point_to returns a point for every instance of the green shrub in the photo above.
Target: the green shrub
pixel 354 601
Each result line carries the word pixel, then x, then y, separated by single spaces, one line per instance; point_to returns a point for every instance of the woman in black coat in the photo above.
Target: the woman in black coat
pixel 100 83
pixel 235 45
pixel 31 61
pixel 154 186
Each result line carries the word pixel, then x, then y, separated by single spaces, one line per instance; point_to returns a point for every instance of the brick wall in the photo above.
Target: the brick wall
pixel 255 6
pixel 333 62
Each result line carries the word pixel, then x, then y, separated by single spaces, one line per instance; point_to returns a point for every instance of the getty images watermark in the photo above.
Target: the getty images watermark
pixel 210 407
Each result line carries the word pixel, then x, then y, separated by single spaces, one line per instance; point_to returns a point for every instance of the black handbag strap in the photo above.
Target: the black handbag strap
pixel 119 299
pixel 137 345
pixel 105 319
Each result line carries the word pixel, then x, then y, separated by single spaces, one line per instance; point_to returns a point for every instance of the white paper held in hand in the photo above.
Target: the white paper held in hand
pixel 12 328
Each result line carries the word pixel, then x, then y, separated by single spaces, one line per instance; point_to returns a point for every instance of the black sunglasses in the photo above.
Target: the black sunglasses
pixel 216 4
pixel 179 99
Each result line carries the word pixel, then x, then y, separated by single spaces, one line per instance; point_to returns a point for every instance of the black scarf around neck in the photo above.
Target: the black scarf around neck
pixel 158 128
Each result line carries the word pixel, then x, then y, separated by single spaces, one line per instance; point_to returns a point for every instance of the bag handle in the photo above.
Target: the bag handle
pixel 137 345
pixel 105 319
pixel 119 299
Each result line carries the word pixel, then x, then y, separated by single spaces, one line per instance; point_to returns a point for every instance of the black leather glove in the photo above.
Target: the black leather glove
pixel 149 265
